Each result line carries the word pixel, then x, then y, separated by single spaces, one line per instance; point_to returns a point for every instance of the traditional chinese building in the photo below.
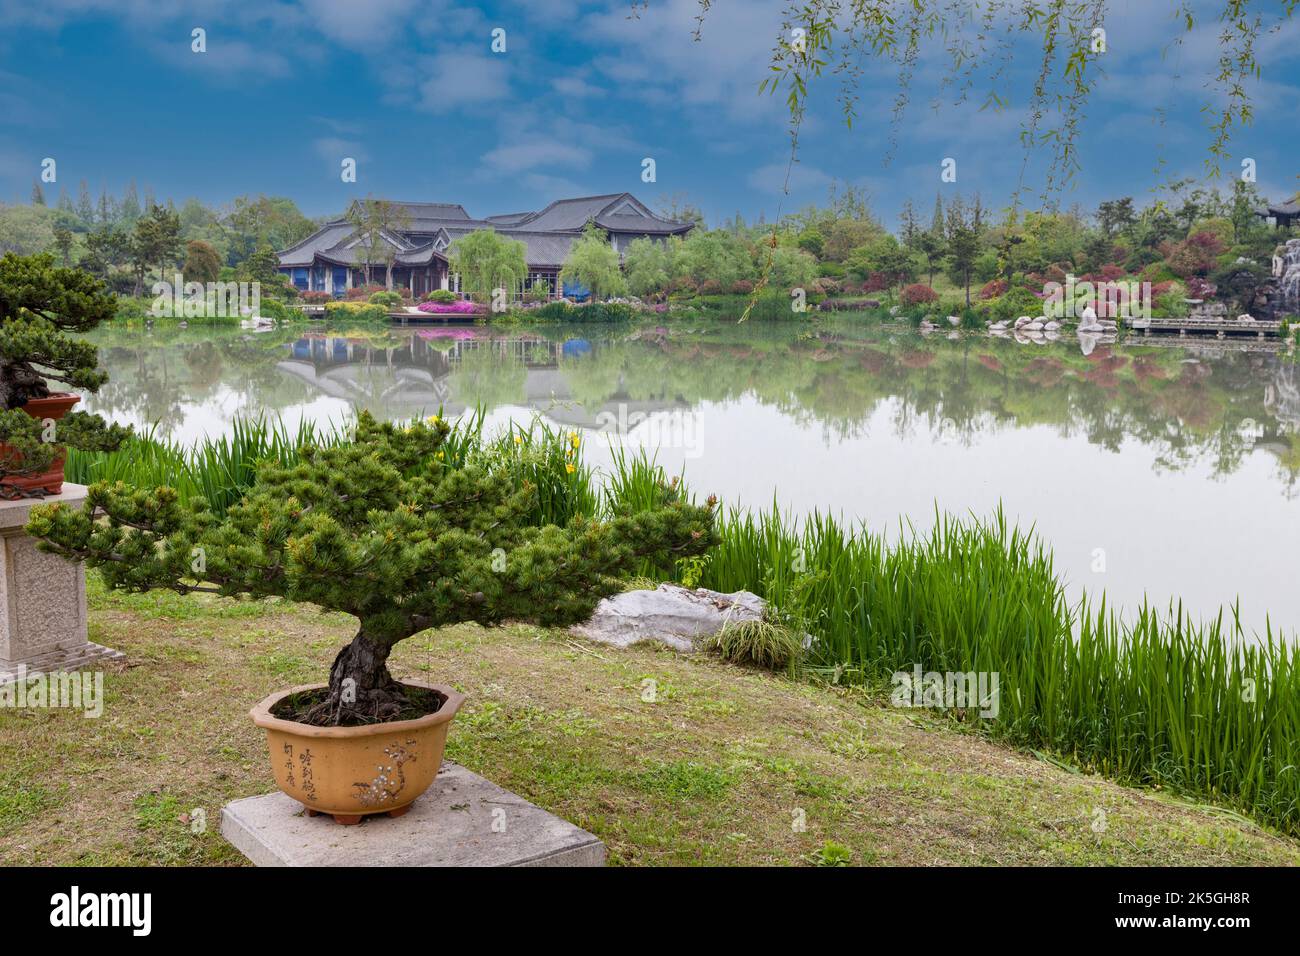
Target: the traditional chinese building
pixel 333 259
pixel 1283 214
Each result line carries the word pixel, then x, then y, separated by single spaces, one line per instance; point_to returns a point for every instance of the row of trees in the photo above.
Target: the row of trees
pixel 1186 234
pixel 122 240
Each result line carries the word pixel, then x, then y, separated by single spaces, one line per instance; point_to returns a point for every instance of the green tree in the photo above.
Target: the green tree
pixel 845 235
pixel 106 247
pixel 486 261
pixel 263 267
pixel 38 194
pixel 932 247
pixel 964 248
pixel 680 209
pixel 714 255
pixel 382 529
pixel 85 208
pixel 593 262
pixel 884 256
pixel 130 209
pixel 792 268
pixel 41 306
pixel 26 229
pixel 63 242
pixel 107 212
pixel 375 220
pixel 648 265
pixel 202 262
pixel 253 221
pixel 155 241
pixel 1246 201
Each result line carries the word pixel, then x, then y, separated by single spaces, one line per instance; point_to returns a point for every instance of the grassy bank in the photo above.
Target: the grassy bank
pixel 714 770
pixel 1158 700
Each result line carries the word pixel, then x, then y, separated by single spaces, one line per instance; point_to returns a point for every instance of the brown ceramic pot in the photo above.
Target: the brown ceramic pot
pixel 55 406
pixel 351 772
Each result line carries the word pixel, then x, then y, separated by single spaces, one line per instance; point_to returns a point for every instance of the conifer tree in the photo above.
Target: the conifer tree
pixel 385 529
pixel 40 304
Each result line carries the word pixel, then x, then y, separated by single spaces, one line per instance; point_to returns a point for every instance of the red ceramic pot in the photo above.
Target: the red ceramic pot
pixel 54 406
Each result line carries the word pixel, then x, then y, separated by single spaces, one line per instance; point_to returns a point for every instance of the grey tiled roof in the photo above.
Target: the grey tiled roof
pixel 641 224
pixel 547 234
pixel 509 218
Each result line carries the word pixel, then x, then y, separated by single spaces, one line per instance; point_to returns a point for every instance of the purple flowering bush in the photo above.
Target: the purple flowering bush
pixel 459 307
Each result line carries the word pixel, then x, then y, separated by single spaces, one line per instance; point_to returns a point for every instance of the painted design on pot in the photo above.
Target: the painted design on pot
pixel 308 786
pixel 390 779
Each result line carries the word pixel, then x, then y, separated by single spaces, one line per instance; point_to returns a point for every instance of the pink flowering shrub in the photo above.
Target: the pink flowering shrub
pixel 459 307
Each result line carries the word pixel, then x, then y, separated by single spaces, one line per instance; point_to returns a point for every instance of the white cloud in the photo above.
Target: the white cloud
pixel 456 80
pixel 227 60
pixel 360 26
pixel 531 152
pixel 574 86
pixel 657 50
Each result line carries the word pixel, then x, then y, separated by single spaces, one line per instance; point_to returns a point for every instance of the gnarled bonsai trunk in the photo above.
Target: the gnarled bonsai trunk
pixel 361 689
pixel 19 383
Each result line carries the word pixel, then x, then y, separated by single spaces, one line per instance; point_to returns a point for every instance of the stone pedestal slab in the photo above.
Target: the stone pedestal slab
pixel 42 599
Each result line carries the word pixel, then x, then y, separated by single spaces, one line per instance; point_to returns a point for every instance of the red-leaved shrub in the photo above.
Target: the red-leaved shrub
pixel 918 293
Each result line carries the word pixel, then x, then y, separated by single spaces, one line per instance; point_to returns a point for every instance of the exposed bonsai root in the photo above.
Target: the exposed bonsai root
pixel 361 689
pixel 370 707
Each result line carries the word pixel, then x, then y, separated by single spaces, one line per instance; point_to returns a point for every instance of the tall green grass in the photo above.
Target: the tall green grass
pixel 1203 708
pixel 1200 707
pixel 217 469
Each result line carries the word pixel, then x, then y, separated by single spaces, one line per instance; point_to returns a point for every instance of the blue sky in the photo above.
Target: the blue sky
pixel 583 93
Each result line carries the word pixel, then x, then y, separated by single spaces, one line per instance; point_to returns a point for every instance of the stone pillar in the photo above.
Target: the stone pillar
pixel 42 599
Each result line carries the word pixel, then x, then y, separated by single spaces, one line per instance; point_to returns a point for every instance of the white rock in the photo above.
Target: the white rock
pixel 1088 320
pixel 1022 322
pixel 1245 318
pixel 672 614
pixel 1034 326
pixel 954 320
pixel 1051 326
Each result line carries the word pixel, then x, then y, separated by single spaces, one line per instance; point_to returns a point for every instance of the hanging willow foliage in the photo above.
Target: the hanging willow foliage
pixel 822 39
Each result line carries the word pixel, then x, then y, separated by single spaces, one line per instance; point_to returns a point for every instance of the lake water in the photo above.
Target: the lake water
pixel 1166 470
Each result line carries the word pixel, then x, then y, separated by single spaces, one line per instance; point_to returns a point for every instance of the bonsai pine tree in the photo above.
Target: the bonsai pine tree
pixel 40 303
pixel 384 529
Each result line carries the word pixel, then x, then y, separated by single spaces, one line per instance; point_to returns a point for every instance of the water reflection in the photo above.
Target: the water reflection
pixel 1177 461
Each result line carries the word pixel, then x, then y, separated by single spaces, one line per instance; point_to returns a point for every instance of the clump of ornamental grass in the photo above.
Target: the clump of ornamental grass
pixel 761 643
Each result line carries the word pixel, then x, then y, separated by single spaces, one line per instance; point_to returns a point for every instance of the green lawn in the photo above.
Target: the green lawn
pixel 716 769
